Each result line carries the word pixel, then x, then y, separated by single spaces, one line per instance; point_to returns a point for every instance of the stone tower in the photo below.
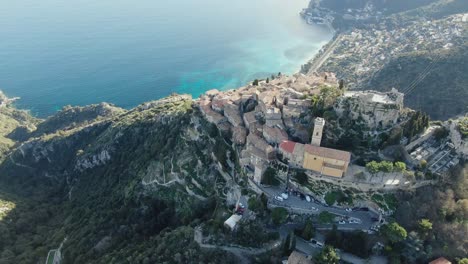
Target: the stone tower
pixel 318 130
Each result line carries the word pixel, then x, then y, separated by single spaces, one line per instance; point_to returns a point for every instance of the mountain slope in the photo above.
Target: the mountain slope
pixel 124 190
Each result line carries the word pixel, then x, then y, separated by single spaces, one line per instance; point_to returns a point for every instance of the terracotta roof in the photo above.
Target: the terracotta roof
pixel 287 146
pixel 440 260
pixel 328 153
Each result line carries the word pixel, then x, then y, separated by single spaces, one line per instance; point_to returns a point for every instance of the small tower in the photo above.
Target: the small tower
pixel 318 130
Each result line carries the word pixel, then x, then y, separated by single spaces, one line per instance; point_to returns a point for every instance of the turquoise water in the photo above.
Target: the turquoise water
pixel 55 53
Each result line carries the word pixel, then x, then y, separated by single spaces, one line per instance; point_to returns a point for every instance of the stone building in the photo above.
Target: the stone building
pixel 318 131
pixel 377 109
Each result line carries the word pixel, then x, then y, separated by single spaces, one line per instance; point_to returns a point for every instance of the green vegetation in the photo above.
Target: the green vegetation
pixel 425 226
pixel 463 127
pixel 448 72
pixel 279 215
pixel 337 196
pixel 255 82
pixel 326 217
pixel 327 256
pixel 394 232
pixel 270 177
pixel 14 125
pixel 386 201
pixel 289 244
pixel 374 167
pixel 325 100
pixel 301 177
pixel 258 204
pixel 251 234
pixel 307 232
pixel 356 242
pixel 125 220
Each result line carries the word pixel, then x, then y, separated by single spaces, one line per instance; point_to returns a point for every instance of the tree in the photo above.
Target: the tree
pixel 279 215
pixel 333 237
pixel 373 167
pixel 386 166
pixel 255 82
pixel 301 177
pixel 394 232
pixel 268 80
pixel 269 177
pixel 289 244
pixel 400 166
pixel 327 256
pixel 423 164
pixel 425 226
pixel 341 84
pixel 326 217
pixel 308 232
pixel 463 261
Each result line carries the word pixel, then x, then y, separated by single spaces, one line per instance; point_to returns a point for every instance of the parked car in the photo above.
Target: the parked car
pixel 241 205
pixel 316 243
pixel 349 210
pixel 307 197
pixel 314 209
pixel 285 196
pixel 353 221
pixel 279 198
pixel 375 219
pixel 342 222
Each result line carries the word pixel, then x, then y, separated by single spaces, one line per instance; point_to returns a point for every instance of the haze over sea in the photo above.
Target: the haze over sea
pixel 55 53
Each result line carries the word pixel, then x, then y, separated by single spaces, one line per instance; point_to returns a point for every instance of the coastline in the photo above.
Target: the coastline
pixel 5 101
pixel 295 69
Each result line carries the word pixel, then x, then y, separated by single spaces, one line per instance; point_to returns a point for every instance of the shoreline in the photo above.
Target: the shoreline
pixel 296 70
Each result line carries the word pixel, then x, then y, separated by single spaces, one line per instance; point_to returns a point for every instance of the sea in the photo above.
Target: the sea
pixel 55 53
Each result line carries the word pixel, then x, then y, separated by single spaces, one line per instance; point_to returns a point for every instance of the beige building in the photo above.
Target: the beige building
pixel 326 161
pixel 329 162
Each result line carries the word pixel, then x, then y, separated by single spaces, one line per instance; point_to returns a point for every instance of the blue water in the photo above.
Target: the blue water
pixel 55 53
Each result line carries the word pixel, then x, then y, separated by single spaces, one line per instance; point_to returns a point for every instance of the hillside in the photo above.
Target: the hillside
pixel 441 93
pixel 421 52
pixel 124 188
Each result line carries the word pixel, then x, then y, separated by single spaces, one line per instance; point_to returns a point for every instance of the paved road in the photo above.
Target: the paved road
pixel 294 202
pixel 241 252
pixel 324 56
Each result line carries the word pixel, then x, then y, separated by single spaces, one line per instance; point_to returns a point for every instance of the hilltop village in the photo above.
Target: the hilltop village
pixel 273 121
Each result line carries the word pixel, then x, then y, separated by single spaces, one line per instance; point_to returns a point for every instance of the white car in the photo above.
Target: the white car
pixel 342 222
pixel 314 209
pixel 285 196
pixel 349 210
pixel 279 198
pixel 353 221
pixel 308 198
pixel 315 243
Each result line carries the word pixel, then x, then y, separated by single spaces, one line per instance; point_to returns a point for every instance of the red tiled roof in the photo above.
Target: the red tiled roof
pixel 287 146
pixel 440 260
pixel 328 153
